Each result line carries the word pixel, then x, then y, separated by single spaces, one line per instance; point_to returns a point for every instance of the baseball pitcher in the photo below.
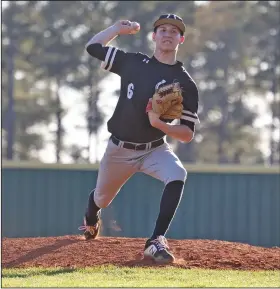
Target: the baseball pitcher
pixel 154 91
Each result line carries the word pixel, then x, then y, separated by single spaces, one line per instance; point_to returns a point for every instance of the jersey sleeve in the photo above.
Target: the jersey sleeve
pixel 190 105
pixel 113 59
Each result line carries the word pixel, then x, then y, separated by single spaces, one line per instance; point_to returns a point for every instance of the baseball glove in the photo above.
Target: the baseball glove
pixel 167 101
pixel 174 112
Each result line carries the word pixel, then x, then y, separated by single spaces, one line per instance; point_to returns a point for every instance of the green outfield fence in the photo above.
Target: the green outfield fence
pixel 229 203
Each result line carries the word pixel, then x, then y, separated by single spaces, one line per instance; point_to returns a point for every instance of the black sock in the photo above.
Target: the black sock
pixel 170 200
pixel 92 210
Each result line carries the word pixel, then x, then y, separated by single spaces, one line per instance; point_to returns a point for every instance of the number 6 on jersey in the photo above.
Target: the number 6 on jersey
pixel 130 90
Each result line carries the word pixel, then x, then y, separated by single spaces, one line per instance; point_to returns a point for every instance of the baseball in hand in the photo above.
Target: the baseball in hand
pixel 136 27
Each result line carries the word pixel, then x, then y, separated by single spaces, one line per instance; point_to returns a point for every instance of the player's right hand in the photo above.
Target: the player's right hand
pixel 127 27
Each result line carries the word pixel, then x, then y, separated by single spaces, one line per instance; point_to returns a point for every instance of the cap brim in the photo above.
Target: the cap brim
pixel 171 21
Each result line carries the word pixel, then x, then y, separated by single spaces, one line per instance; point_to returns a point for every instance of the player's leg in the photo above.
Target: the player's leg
pixel 113 173
pixel 164 165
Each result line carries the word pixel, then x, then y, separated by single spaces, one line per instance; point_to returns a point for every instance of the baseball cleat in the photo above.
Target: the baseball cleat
pixel 157 249
pixel 90 232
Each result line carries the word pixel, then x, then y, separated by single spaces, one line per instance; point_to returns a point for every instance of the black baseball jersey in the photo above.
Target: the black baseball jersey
pixel 140 76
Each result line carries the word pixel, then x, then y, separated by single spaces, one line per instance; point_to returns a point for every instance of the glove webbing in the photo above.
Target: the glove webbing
pixel 166 91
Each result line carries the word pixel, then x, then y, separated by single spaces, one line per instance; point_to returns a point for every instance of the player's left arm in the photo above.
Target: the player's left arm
pixel 184 131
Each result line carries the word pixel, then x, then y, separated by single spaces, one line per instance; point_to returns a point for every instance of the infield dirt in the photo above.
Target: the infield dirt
pixel 74 252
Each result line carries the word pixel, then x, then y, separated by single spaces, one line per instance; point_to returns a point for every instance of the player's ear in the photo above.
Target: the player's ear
pixel 154 36
pixel 182 39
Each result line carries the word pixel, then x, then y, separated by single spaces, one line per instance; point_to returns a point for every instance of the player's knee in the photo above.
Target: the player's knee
pixel 181 174
pixel 177 174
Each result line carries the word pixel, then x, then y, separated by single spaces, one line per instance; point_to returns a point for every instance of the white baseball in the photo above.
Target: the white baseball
pixel 135 26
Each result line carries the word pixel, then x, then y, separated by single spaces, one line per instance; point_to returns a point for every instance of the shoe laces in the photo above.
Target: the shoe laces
pixel 90 229
pixel 161 243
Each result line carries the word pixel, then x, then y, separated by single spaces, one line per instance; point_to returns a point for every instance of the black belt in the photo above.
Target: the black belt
pixel 137 147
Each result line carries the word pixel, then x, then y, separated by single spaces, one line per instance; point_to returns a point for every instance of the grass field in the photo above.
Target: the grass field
pixel 112 276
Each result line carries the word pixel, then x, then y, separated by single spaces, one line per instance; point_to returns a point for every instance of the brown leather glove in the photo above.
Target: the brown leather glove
pixel 167 101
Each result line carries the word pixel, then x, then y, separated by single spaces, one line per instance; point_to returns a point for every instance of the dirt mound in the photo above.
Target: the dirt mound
pixel 74 252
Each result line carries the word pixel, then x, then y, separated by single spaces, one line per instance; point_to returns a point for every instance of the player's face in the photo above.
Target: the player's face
pixel 167 37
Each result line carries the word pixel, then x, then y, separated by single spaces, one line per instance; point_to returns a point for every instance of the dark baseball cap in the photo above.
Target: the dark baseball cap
pixel 171 19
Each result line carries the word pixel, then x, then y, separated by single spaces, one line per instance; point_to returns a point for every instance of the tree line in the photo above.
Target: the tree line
pixel 231 51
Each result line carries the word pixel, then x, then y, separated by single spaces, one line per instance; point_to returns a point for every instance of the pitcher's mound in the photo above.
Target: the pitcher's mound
pixel 74 252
